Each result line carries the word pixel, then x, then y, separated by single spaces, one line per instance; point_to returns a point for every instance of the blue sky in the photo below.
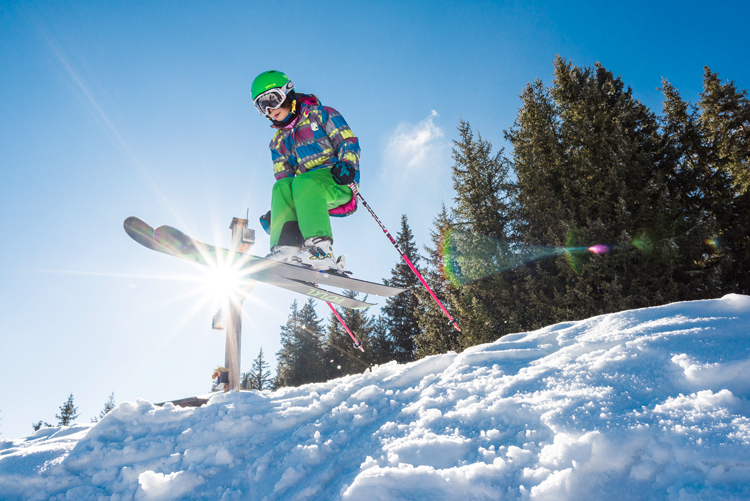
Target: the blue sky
pixel 142 108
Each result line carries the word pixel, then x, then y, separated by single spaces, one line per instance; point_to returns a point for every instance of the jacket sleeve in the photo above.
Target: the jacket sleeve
pixel 284 164
pixel 344 141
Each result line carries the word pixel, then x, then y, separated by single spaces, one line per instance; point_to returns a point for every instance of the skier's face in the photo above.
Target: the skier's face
pixel 279 114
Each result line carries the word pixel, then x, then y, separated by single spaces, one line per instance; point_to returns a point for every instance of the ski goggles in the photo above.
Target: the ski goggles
pixel 272 99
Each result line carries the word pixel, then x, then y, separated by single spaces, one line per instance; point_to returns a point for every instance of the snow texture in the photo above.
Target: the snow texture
pixel 642 404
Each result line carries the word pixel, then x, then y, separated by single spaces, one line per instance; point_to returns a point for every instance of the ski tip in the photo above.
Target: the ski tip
pixel 134 221
pixel 137 228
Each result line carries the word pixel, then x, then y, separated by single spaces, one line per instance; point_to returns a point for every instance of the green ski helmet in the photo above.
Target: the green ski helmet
pixel 270 90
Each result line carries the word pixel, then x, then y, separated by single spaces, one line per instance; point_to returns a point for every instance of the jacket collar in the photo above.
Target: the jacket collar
pixel 304 101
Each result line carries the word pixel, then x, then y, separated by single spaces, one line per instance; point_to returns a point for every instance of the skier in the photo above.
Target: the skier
pixel 315 158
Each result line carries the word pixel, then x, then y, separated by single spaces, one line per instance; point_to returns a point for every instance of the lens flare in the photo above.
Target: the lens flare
pixel 224 283
pixel 643 243
pixel 713 243
pixel 467 257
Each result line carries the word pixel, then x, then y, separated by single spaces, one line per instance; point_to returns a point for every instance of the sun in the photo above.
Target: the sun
pixel 222 282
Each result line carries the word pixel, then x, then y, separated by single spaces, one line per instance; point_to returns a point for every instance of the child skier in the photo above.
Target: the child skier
pixel 315 158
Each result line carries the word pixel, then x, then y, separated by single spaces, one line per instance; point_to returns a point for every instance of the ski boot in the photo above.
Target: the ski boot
pixel 317 254
pixel 282 253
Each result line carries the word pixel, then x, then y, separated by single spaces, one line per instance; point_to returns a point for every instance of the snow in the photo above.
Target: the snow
pixel 642 404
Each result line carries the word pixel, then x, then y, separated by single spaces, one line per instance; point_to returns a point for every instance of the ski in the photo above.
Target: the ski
pixel 314 292
pixel 175 243
pixel 183 245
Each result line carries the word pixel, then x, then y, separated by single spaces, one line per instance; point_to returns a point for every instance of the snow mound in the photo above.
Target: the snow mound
pixel 642 404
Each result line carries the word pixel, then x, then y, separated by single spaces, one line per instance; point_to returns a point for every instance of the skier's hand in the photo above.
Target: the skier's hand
pixel 343 173
pixel 265 222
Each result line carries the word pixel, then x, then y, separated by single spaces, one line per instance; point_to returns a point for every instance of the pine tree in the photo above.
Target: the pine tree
pixel 699 192
pixel 300 359
pixel 342 358
pixel 68 413
pixel 725 123
pixel 258 378
pixel 479 243
pixel 108 406
pixel 381 346
pixel 436 335
pixel 725 116
pixel 484 194
pixel 400 312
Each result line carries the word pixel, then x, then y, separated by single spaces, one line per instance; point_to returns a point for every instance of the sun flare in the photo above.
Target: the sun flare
pixel 223 282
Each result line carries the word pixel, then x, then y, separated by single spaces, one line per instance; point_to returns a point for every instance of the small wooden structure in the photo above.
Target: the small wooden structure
pixel 229 316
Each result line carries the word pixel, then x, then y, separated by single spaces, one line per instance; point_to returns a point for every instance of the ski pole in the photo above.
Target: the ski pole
pixel 356 343
pixel 356 192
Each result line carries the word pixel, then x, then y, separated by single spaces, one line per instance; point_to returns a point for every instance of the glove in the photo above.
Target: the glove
pixel 265 222
pixel 343 173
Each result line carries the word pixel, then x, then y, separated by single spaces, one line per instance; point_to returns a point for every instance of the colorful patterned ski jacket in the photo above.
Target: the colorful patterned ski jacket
pixel 316 139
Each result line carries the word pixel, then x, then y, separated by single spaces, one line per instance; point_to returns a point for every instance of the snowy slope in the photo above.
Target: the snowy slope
pixel 643 404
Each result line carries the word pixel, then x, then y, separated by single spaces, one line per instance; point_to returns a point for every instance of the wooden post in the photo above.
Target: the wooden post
pixel 242 239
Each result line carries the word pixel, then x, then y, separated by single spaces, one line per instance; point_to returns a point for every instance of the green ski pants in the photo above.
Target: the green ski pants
pixel 300 205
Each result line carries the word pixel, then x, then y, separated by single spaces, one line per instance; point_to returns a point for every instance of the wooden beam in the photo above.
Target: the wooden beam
pixel 242 239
